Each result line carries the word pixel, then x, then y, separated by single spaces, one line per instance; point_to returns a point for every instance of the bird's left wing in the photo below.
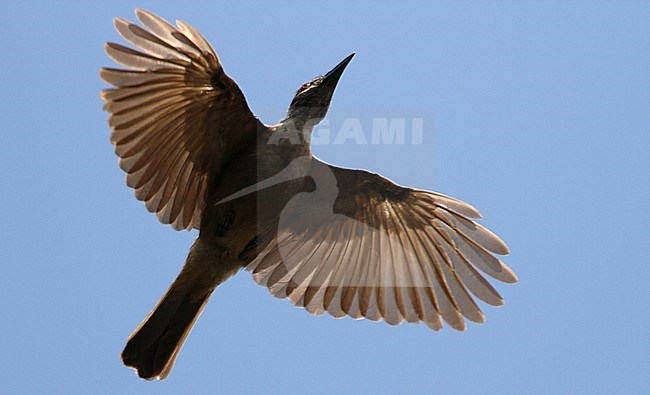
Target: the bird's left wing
pixel 363 246
pixel 176 117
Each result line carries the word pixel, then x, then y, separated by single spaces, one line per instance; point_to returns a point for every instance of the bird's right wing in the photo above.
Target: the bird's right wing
pixel 176 117
pixel 362 246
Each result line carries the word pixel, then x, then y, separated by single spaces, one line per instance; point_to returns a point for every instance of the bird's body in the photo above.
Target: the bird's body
pixel 347 242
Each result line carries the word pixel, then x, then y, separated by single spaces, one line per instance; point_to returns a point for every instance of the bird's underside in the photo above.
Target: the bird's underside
pixel 342 241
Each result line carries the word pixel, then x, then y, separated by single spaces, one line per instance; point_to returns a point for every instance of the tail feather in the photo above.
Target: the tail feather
pixel 153 347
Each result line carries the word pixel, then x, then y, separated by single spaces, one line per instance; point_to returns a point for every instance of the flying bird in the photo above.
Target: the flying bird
pixel 343 241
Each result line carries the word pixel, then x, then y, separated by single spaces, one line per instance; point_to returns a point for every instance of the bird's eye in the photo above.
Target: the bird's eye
pixel 304 86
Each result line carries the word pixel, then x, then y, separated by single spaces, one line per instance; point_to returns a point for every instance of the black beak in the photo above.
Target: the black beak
pixel 333 76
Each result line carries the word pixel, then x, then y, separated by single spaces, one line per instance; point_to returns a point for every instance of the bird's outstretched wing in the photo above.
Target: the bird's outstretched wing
pixel 176 117
pixel 362 246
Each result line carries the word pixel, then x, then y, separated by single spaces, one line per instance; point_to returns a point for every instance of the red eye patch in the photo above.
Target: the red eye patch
pixel 304 86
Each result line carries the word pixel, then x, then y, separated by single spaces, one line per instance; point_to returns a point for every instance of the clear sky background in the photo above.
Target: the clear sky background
pixel 537 113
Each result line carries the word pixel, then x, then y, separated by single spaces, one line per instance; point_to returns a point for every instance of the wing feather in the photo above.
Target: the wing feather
pixel 382 252
pixel 176 117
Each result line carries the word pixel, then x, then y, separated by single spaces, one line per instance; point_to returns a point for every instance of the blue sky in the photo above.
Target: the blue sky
pixel 535 112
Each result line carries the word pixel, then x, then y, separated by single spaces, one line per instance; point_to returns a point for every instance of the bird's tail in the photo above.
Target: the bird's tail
pixel 153 347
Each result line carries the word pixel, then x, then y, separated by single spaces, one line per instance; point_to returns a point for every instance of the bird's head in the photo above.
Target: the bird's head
pixel 312 99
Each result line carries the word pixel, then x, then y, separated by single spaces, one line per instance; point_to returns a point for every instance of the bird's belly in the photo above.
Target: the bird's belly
pixel 246 224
